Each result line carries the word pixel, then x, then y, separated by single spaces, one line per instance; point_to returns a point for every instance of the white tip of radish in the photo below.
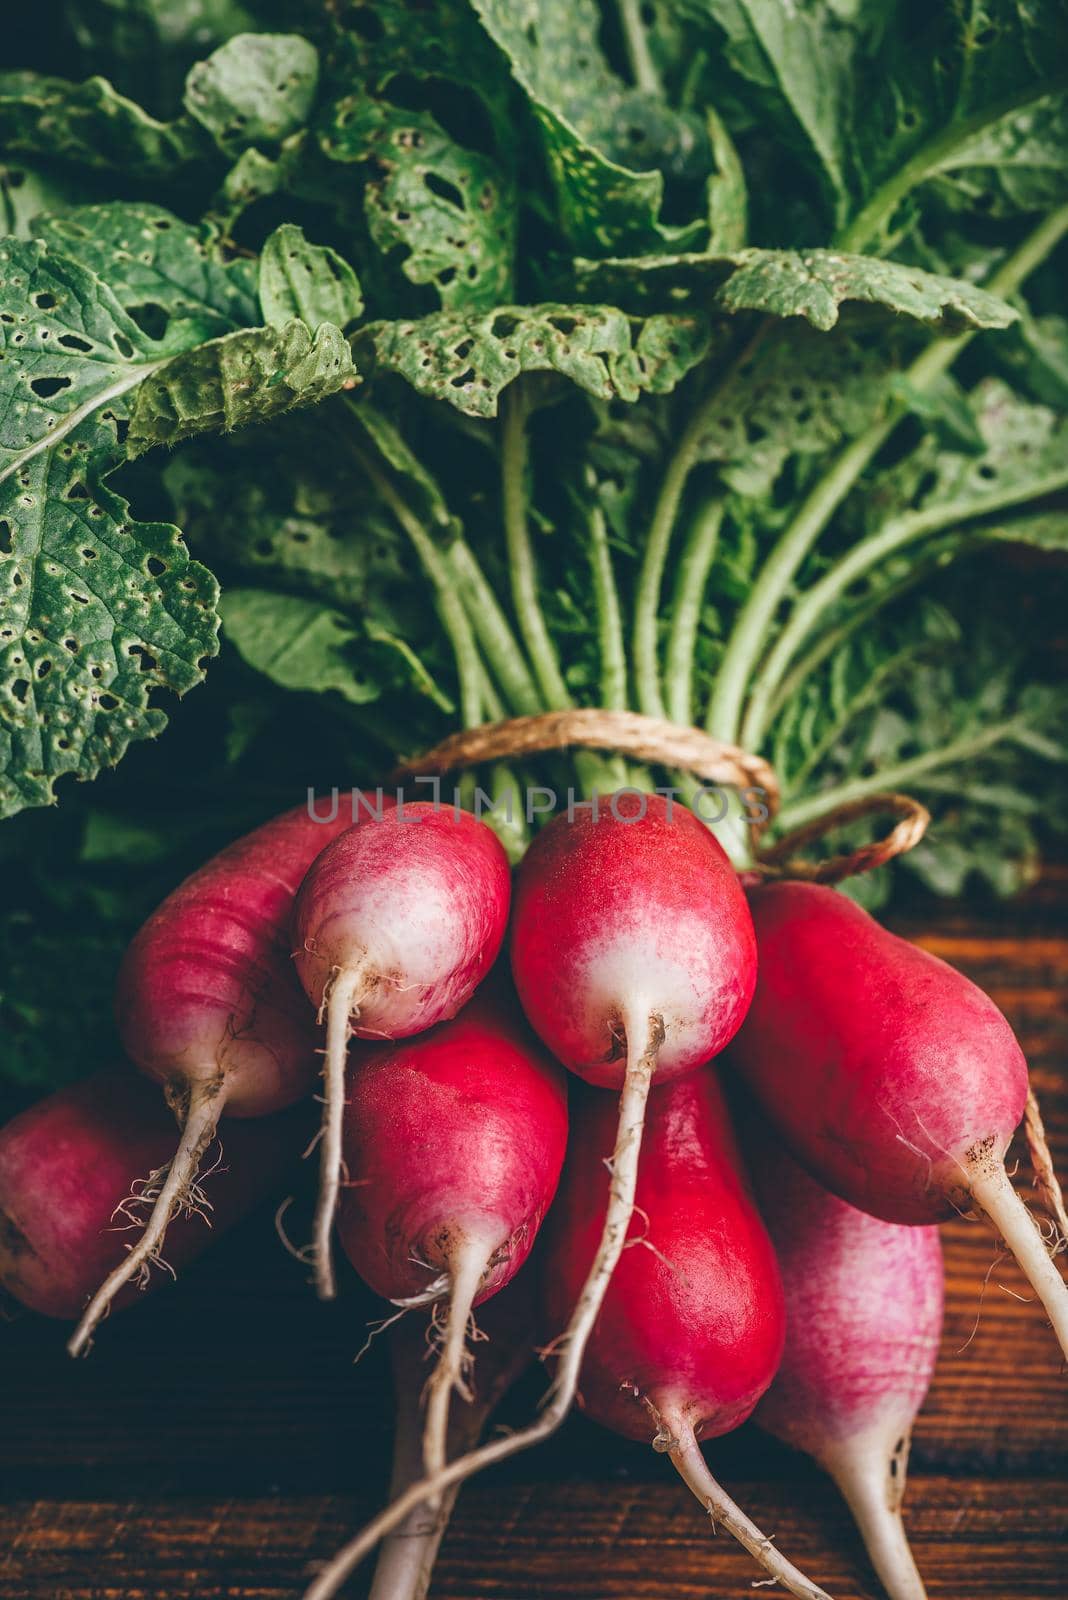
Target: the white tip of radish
pixel 206 1101
pixel 691 1466
pixel 870 1470
pixel 995 1196
pixel 453 1363
pixel 346 990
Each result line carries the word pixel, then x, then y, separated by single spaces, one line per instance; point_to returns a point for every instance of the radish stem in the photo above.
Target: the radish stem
pixel 869 1470
pixel 465 1279
pixel 206 1100
pixel 995 1196
pixel 347 988
pixel 624 1165
pixel 692 1468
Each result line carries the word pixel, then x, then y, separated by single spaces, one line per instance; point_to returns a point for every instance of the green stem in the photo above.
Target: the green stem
pixel 902 776
pixel 776 575
pixel 773 583
pixel 665 513
pixel 499 644
pixel 636 40
pixel 927 161
pixel 893 536
pixel 690 585
pixel 450 607
pixel 609 618
pixel 532 626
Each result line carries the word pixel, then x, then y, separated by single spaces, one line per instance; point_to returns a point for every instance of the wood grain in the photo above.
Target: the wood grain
pixel 219 1439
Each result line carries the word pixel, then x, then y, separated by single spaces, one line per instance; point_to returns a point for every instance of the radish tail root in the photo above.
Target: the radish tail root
pixel 995 1196
pixel 465 1279
pixel 691 1466
pixel 641 1064
pixel 406 1564
pixel 870 1473
pixel 202 1118
pixel 343 996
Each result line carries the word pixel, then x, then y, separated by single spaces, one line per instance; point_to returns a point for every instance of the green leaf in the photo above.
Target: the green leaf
pixel 1016 163
pixel 728 199
pixel 880 102
pixel 298 644
pixel 27 191
pixel 813 284
pixel 450 211
pixel 468 360
pixel 608 146
pixel 1024 454
pixel 147 46
pixel 256 89
pixel 92 125
pixel 244 377
pixel 307 281
pixel 99 610
pixel 170 278
pixel 796 398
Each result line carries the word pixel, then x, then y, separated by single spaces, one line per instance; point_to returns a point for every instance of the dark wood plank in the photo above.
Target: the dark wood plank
pixel 975 1540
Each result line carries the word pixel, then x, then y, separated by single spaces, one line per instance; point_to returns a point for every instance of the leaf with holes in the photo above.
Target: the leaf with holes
pixel 170 278
pixel 813 284
pixel 610 148
pixel 450 211
pixel 256 89
pixel 244 377
pixel 99 610
pixel 307 281
pixel 91 125
pixel 468 360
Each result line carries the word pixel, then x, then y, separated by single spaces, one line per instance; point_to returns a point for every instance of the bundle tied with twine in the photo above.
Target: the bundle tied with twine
pixel 670 745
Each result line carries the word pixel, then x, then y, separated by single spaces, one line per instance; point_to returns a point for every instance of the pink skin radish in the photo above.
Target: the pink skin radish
pixel 863 1325
pixel 208 1006
pixel 690 1332
pixel 406 1561
pixel 633 953
pixel 890 1076
pixel 71 1168
pixel 396 924
pixel 453 1144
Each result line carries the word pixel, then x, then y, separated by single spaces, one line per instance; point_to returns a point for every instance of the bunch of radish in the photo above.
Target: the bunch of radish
pixel 673 1302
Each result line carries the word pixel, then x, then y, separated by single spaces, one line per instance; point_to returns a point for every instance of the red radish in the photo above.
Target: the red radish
pixel 691 1329
pixel 863 1324
pixel 406 1561
pixel 208 1006
pixel 890 1076
pixel 633 953
pixel 70 1173
pixel 453 1144
pixel 396 924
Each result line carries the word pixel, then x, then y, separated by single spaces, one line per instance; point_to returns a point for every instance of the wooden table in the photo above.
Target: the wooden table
pixel 218 1441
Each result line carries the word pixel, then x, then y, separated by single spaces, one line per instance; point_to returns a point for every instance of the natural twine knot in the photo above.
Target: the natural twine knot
pixel 668 744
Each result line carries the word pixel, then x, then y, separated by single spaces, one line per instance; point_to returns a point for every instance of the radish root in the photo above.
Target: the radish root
pixel 997 1199
pixel 453 1359
pixel 870 1474
pixel 177 1191
pixel 346 989
pixel 641 1064
pixel 692 1468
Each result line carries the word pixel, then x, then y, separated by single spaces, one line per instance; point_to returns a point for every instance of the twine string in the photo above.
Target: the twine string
pixel 668 744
